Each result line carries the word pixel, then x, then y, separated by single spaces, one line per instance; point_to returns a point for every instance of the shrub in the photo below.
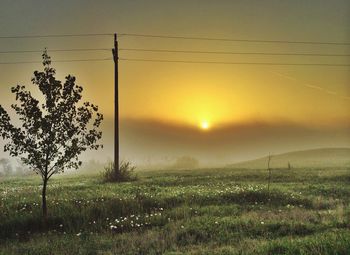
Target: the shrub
pixel 124 173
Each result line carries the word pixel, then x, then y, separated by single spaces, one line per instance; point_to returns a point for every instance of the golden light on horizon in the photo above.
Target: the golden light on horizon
pixel 227 97
pixel 204 125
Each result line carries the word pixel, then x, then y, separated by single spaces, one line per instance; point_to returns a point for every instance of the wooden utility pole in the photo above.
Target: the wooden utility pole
pixel 116 103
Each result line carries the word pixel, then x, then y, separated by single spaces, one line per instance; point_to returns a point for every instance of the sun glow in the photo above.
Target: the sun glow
pixel 204 125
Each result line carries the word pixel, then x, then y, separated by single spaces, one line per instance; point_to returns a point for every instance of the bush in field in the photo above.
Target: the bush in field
pixel 124 173
pixel 54 130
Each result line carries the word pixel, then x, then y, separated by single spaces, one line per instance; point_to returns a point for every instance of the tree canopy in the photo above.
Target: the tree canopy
pixel 53 131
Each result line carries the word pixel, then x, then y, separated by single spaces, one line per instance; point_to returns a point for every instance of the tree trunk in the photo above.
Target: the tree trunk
pixel 44 206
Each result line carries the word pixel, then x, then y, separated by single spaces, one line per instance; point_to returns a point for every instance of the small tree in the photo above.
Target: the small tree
pixel 54 133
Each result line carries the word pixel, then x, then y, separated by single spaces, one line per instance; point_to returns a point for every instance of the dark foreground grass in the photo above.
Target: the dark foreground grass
pixel 216 211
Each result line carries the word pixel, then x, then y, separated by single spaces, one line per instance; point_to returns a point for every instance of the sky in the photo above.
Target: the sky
pixel 248 110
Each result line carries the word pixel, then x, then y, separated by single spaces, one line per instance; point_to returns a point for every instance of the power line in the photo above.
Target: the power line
pixel 236 53
pixel 173 37
pixel 54 36
pixel 180 51
pixel 234 40
pixel 56 61
pixel 53 50
pixel 232 63
pixel 178 61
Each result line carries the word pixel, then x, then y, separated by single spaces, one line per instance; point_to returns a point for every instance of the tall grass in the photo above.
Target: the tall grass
pixel 190 212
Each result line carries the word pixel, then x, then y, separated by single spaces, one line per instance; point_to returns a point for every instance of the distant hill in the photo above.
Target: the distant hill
pixel 327 157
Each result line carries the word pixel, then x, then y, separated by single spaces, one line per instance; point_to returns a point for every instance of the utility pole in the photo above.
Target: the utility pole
pixel 116 104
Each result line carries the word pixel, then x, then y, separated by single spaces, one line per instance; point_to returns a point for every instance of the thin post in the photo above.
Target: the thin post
pixel 269 169
pixel 116 103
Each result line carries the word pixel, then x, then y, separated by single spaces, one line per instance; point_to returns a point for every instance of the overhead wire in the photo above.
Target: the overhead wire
pixel 231 63
pixel 234 39
pixel 180 51
pixel 174 37
pixel 53 50
pixel 183 61
pixel 234 53
pixel 183 51
pixel 56 61
pixel 54 36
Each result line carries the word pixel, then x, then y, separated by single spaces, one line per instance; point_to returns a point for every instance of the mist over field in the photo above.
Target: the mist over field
pixel 149 143
pixel 155 144
pixel 187 127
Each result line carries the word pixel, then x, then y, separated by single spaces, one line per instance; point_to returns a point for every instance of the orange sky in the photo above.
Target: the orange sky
pixel 190 94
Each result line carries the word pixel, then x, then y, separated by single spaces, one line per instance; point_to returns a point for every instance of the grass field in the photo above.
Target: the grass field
pixel 211 211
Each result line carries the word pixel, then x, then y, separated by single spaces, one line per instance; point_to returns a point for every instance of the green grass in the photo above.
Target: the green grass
pixel 209 211
pixel 316 158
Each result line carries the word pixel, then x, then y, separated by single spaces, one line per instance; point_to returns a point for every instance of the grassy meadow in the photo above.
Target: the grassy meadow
pixel 209 211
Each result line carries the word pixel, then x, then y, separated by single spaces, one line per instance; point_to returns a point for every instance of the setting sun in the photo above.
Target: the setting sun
pixel 164 120
pixel 205 125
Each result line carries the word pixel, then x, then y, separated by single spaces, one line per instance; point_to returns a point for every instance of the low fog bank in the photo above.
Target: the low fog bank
pixel 180 163
pixel 150 144
pixel 13 168
pixel 10 168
